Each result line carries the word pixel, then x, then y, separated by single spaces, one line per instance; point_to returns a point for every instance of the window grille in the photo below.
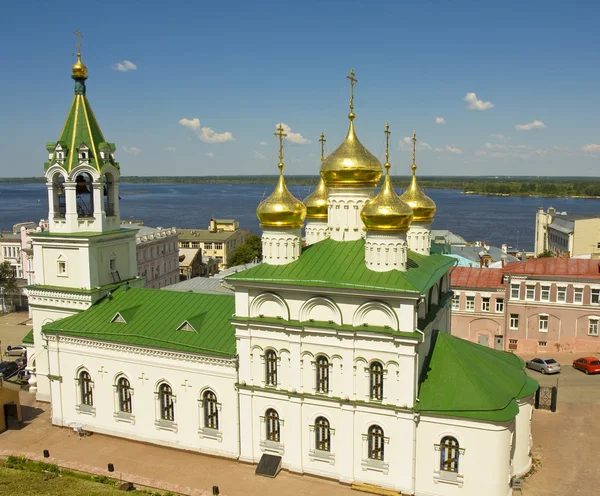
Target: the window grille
pixel 376 442
pixel 85 388
pixel 322 434
pixel 273 425
pixel 449 453
pixel 166 402
pixel 322 374
pixel 376 381
pixel 124 395
pixel 211 413
pixel 270 368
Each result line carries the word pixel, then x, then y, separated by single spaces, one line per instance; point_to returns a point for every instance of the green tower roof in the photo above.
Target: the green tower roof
pixel 81 128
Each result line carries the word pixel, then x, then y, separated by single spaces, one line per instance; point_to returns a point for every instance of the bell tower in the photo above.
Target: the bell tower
pixel 85 254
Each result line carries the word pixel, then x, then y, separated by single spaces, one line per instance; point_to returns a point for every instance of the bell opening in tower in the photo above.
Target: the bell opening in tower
pixel 84 191
pixel 58 196
pixel 109 194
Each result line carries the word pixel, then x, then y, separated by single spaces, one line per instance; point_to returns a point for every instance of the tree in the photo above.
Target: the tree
pixel 247 252
pixel 8 283
pixel 546 254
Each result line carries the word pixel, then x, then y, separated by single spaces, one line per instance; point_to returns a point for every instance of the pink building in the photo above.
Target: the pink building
pixel 478 305
pixel 553 305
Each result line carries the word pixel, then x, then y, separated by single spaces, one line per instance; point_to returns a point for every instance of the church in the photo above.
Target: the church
pixel 335 355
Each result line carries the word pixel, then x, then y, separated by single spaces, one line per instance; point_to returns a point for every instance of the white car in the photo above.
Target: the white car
pixel 15 351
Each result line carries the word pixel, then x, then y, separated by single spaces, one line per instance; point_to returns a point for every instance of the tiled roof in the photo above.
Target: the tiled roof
pixel 559 267
pixel 152 318
pixel 475 277
pixel 465 379
pixel 335 264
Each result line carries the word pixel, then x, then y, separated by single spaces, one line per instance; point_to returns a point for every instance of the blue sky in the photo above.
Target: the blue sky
pixel 241 67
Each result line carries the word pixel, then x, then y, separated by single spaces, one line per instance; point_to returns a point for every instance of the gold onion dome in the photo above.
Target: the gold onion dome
pixel 79 69
pixel 316 202
pixel 386 211
pixel 281 209
pixel 422 206
pixel 351 164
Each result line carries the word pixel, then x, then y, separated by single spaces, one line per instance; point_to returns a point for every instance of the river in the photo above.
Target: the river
pixel 493 219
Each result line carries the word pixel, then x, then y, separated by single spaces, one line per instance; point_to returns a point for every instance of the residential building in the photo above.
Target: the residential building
pixel 484 255
pixel 10 251
pixel 567 235
pixel 190 263
pixel 157 255
pixel 553 304
pixel 336 360
pixel 478 305
pixel 218 241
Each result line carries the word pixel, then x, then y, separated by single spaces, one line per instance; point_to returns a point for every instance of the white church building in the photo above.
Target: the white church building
pixel 336 357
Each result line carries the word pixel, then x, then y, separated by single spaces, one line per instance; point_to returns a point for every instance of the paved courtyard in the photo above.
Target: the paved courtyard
pixel 565 442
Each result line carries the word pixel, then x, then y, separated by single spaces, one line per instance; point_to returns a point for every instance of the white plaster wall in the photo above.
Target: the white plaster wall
pixel 419 237
pixel 316 230
pixel 522 442
pixel 344 207
pixel 281 247
pixel 188 379
pixel 386 251
pixel 484 467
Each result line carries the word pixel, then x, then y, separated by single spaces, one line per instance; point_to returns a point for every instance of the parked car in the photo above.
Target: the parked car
pixel 15 351
pixel 543 365
pixel 8 369
pixel 589 365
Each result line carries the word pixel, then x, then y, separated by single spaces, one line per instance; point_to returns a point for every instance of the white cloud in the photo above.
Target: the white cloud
pixel 124 66
pixel 495 146
pixel 591 148
pixel 440 120
pixel 210 154
pixel 133 150
pixel 438 149
pixel 406 144
pixel 453 149
pixel 259 156
pixel 169 149
pixel 206 134
pixel 263 143
pixel 530 126
pixel 292 137
pixel 475 103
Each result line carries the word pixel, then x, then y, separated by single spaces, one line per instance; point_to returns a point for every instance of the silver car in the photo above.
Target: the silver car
pixel 543 365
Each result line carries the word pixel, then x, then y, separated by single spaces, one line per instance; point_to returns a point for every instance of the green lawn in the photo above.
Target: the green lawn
pixel 24 483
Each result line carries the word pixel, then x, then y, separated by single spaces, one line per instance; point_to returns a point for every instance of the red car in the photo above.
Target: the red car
pixel 590 365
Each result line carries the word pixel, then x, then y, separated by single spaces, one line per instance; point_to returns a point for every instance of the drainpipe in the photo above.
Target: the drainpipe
pixel 416 418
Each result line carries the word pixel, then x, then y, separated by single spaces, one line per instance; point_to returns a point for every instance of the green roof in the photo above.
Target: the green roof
pixel 80 128
pixel 28 339
pixel 152 318
pixel 336 264
pixel 465 379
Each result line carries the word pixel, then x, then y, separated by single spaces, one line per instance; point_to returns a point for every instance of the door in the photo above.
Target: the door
pixel 498 343
pixel 11 416
pixel 484 340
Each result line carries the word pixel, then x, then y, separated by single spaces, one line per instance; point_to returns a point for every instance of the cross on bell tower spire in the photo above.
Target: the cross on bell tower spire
pixel 281 135
pixel 322 140
pixel 353 81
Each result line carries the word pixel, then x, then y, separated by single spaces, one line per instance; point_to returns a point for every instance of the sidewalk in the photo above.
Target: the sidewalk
pixel 148 465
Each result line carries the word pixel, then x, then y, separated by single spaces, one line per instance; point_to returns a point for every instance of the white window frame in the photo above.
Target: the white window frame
pixel 456 302
pixel 528 288
pixel 578 291
pixel 468 307
pixel 500 305
pixel 561 290
pixel 514 318
pixel 485 303
pixel 542 290
pixel 543 318
pixel 62 261
pixel 515 288
pixel 594 326
pixel 597 292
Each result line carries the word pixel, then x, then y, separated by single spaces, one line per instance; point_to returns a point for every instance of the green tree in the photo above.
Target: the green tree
pixel 546 254
pixel 247 252
pixel 8 284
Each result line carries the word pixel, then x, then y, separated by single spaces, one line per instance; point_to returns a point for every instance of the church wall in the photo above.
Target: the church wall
pixel 101 255
pixel 47 258
pixel 485 445
pixel 521 462
pixel 188 375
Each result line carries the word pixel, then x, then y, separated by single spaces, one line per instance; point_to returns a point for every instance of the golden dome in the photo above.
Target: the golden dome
pixel 351 164
pixel 387 211
pixel 316 202
pixel 79 70
pixel 281 209
pixel 423 207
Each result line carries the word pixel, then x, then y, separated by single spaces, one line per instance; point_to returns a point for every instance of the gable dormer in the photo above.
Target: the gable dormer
pixel 186 326
pixel 84 153
pixel 118 318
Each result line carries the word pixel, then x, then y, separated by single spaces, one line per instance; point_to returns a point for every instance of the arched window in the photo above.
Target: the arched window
pixel 84 191
pixel 166 403
pixel 376 381
pixel 85 388
pixel 270 368
pixel 211 414
pixel 322 374
pixel 322 434
pixel 449 451
pixel 273 425
pixel 375 440
pixel 124 395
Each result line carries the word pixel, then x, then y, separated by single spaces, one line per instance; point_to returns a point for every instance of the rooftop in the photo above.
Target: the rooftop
pixel 465 379
pixel 334 264
pixel 189 254
pixel 560 267
pixel 476 252
pixel 204 235
pixel 574 217
pixel 476 277
pixel 149 317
